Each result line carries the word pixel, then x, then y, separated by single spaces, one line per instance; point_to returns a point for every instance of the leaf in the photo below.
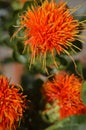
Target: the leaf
pixel 63 125
pixel 83 94
pixel 69 127
pixel 28 4
pixel 51 113
pixel 19 58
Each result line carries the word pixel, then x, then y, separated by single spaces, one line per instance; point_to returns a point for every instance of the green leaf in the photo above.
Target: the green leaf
pixel 83 94
pixel 51 113
pixel 69 127
pixel 19 58
pixel 28 4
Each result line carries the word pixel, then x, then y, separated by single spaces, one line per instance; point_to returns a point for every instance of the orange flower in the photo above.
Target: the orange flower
pixel 67 90
pixel 11 105
pixel 49 27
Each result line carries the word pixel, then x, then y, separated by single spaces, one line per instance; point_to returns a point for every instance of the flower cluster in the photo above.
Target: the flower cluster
pixel 11 105
pixel 50 28
pixel 66 89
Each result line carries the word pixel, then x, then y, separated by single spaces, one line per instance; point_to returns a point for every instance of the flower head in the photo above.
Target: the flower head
pixel 49 27
pixel 67 90
pixel 11 105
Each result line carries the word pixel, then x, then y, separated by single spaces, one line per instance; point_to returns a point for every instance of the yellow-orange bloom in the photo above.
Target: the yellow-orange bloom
pixel 67 90
pixel 11 105
pixel 49 27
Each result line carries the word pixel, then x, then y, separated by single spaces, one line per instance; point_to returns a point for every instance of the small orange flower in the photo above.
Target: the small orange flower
pixel 67 90
pixel 49 27
pixel 11 105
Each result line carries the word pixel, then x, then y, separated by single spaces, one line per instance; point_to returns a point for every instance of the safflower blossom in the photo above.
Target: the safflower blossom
pixel 49 28
pixel 66 89
pixel 12 104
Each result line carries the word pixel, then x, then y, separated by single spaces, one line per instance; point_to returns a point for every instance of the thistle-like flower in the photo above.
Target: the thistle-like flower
pixel 49 28
pixel 66 89
pixel 11 105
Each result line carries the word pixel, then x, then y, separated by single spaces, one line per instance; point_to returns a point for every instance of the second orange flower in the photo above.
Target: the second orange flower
pixel 66 89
